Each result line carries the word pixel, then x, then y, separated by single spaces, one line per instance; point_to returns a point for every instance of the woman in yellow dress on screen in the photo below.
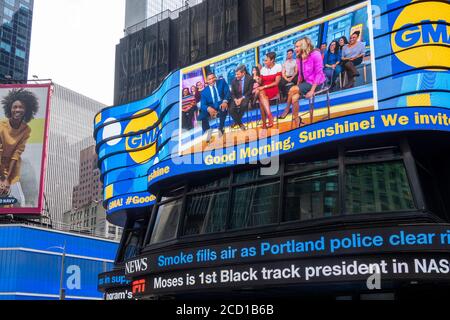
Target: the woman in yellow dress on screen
pixel 20 107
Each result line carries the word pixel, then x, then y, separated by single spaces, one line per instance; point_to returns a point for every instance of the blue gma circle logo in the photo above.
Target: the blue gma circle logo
pixel 138 142
pixel 422 28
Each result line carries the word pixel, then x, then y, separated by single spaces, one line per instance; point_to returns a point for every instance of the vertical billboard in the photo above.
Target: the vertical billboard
pixel 23 146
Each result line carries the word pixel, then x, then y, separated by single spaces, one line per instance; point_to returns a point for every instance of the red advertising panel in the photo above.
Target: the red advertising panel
pixel 24 112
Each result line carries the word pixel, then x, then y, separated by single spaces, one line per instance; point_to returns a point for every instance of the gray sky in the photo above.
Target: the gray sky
pixel 73 43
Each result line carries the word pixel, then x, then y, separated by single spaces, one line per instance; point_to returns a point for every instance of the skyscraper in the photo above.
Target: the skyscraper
pixel 70 131
pixel 87 214
pixel 16 20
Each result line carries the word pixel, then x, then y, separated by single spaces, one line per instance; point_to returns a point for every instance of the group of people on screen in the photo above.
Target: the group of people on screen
pixel 305 71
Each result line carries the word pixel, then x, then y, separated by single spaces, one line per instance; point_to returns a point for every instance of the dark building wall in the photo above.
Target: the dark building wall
pixel 146 57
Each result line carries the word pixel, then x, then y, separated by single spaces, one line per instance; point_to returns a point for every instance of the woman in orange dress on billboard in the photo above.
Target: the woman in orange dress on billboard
pixel 20 107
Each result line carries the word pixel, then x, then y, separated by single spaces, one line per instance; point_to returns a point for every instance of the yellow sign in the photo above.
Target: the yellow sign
pixel 421 37
pixel 136 144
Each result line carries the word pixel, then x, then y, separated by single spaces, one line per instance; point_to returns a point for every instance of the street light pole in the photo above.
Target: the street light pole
pixel 62 293
pixel 61 282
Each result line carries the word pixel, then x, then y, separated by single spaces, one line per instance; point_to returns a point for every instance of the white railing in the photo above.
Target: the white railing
pixel 160 16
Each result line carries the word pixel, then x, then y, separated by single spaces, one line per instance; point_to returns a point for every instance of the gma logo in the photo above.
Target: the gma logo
pixel 143 140
pixel 135 143
pixel 422 36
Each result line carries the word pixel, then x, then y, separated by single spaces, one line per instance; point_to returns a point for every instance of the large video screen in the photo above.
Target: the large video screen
pixel 271 97
pixel 23 140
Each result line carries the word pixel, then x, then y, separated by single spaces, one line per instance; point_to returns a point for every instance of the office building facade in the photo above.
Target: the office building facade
pixel 91 220
pixel 87 214
pixel 89 188
pixel 138 11
pixel 68 136
pixel 16 21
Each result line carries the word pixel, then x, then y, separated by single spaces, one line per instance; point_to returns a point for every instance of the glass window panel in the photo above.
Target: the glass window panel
pixel 150 59
pixel 231 23
pixel 216 28
pixel 20 53
pixel 163 50
pixel 311 165
pixel 315 7
pixel 183 42
pixel 312 196
pixel 175 192
pixel 249 175
pixel 8 12
pixel 295 11
pixel 372 155
pixel 5 46
pixel 251 24
pixel 206 213
pixel 255 205
pixel 167 221
pixel 131 245
pixel 334 4
pixel 221 182
pixel 273 15
pixel 198 32
pixel 379 187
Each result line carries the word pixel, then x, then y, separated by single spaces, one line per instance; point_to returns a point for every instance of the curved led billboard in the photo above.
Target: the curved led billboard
pixel 259 101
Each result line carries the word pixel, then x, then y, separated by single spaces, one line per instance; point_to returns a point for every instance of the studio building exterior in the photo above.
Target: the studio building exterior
pixel 360 191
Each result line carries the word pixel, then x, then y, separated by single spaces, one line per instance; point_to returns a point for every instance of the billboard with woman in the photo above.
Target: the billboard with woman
pixel 23 137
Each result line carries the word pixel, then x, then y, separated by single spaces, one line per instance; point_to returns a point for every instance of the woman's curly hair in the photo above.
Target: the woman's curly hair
pixel 29 100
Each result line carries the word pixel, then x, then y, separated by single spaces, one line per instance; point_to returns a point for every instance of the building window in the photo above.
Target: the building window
pixel 315 8
pixel 255 205
pixel 312 195
pixel 369 181
pixel 206 213
pixel 295 11
pixel 378 187
pixel 25 8
pixel 273 15
pixel 5 46
pixel 20 53
pixel 133 239
pixel 166 224
pixel 251 20
pixel 8 12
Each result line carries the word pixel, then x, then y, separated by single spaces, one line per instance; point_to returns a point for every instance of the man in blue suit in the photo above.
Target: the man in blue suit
pixel 214 103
